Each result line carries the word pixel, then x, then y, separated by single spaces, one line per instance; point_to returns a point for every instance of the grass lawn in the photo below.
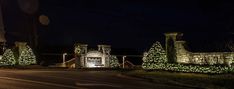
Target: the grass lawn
pixel 190 80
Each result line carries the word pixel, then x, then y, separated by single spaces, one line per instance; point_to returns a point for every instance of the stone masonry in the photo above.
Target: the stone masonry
pixel 182 55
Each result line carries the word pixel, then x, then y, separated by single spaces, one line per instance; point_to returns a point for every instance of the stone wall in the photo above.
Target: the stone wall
pixel 204 58
pixel 183 56
pixel 212 58
pixel 201 58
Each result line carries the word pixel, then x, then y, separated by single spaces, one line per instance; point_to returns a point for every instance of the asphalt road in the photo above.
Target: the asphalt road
pixel 71 79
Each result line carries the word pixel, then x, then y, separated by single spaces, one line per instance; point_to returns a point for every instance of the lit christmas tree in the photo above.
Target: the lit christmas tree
pixel 114 63
pixel 7 58
pixel 27 56
pixel 155 55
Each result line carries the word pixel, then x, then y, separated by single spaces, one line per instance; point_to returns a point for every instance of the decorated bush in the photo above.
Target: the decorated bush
pixel 114 63
pixel 7 58
pixel 22 55
pixel 155 55
pixel 191 68
pixel 27 56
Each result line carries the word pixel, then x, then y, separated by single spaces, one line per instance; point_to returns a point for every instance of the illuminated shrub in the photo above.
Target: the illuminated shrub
pixel 191 68
pixel 77 49
pixel 8 58
pixel 155 55
pixel 114 63
pixel 27 56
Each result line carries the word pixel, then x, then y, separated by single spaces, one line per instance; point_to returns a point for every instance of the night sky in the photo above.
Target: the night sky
pixel 134 24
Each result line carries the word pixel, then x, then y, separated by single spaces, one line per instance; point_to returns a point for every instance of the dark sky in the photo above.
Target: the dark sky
pixel 133 23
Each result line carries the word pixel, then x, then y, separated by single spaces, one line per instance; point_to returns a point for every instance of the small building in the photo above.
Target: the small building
pixel 93 58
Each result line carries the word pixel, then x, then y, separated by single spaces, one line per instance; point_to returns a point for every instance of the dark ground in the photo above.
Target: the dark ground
pixel 73 79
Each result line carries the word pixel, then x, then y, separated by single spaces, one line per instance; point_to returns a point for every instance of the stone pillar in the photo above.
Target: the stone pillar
pixel 105 49
pixel 79 52
pixel 182 55
pixel 84 50
pixel 20 46
pixel 228 59
pixel 171 39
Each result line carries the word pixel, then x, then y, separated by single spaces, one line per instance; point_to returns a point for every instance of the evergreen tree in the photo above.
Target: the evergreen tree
pixel 27 56
pixel 7 58
pixel 114 63
pixel 155 55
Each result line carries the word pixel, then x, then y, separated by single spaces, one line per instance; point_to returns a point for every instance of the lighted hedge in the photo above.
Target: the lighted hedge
pixel 188 68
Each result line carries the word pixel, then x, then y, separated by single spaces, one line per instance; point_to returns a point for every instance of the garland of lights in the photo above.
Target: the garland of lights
pixel 151 61
pixel 77 49
pixel 189 68
pixel 114 63
pixel 7 58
